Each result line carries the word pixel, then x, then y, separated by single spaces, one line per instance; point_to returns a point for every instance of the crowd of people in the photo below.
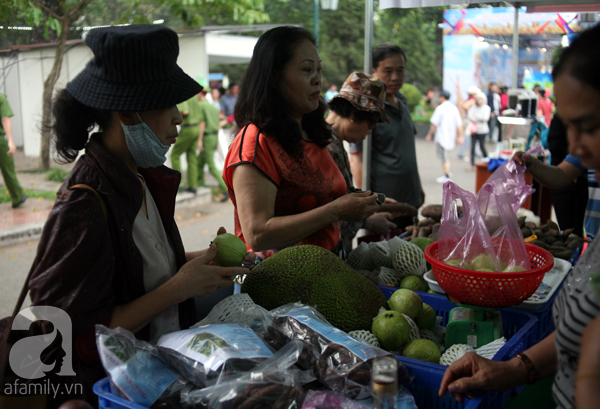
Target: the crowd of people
pixel 111 254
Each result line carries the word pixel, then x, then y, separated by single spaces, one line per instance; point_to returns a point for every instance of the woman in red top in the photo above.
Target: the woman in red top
pixel 284 184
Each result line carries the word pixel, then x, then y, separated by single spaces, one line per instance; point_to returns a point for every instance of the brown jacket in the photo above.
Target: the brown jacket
pixel 87 264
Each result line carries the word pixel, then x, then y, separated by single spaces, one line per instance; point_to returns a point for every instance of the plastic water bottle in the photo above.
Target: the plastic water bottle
pixel 384 382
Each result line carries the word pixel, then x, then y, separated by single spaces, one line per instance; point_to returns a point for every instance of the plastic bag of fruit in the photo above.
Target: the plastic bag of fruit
pixel 466 241
pixel 501 221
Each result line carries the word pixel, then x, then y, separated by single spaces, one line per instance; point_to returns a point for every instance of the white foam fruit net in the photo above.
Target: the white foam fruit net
pixel 388 276
pixel 380 252
pixel 365 336
pixel 228 310
pixel 409 259
pixel 454 353
pixel 414 328
pixel 489 350
pixel 361 258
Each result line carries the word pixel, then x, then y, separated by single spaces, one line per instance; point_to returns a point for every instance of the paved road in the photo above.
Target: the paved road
pixel 199 225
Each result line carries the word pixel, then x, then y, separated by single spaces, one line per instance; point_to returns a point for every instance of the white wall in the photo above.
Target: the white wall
pixel 193 58
pixel 220 46
pixel 31 84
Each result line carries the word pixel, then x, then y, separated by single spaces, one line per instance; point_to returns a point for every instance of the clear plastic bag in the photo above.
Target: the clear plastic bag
pixel 511 176
pixel 329 400
pixel 275 383
pixel 487 237
pixel 204 354
pixel 501 221
pixel 339 361
pixel 136 370
pixel 462 239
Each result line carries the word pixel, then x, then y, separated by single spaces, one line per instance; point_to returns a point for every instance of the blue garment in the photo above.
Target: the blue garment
pixel 592 214
pixel 228 103
pixel 494 164
pixel 537 126
pixel 329 95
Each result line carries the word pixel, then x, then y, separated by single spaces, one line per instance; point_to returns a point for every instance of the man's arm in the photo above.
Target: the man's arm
pixel 430 133
pixel 554 177
pixel 9 137
pixel 459 135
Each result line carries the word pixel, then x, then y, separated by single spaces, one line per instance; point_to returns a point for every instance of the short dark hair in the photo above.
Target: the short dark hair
pixel 386 50
pixel 445 94
pixel 345 109
pixel 542 92
pixel 582 59
pixel 341 106
pixel 260 102
pixel 231 85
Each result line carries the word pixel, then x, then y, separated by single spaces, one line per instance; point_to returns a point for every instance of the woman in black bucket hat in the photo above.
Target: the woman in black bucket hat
pixel 110 252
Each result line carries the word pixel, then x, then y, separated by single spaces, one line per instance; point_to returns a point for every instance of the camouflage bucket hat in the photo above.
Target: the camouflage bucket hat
pixel 365 93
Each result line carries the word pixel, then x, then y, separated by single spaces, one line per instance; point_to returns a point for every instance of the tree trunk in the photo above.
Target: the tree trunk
pixel 65 22
pixel 48 89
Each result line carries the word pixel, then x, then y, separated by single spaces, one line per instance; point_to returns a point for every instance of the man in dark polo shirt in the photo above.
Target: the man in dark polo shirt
pixel 394 170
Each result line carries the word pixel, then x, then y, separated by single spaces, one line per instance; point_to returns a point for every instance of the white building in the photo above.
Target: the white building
pixel 25 68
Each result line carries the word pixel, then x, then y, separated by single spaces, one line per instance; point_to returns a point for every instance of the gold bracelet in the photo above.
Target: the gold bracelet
pixel 532 374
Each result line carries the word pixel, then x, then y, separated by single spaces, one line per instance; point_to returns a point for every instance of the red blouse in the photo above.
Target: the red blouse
pixel 302 183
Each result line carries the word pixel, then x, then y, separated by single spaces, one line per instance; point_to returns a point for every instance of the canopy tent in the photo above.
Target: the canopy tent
pixel 532 6
pixel 386 4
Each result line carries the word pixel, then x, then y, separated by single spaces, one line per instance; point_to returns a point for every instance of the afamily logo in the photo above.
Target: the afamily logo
pixel 25 354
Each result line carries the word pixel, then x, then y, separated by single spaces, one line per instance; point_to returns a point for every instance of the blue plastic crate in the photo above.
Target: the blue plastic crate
pixel 545 323
pixel 106 399
pixel 518 330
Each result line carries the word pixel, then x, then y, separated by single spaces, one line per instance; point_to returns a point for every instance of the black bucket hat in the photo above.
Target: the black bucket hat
pixel 134 69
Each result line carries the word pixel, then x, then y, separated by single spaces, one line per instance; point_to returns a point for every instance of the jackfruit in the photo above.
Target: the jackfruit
pixel 316 277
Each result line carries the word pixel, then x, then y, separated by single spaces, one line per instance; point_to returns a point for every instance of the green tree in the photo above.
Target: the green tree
pixel 56 20
pixel 342 39
pixel 415 30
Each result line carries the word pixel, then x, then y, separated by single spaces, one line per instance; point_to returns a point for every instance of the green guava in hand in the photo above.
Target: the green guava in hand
pixel 230 250
pixel 406 302
pixel 391 329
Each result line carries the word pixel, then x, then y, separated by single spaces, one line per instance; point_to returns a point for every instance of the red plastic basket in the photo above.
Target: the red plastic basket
pixel 485 289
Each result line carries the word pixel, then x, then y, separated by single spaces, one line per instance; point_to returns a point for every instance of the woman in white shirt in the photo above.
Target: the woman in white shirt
pixel 479 115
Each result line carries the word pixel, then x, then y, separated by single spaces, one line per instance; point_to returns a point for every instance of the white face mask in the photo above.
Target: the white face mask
pixel 145 147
